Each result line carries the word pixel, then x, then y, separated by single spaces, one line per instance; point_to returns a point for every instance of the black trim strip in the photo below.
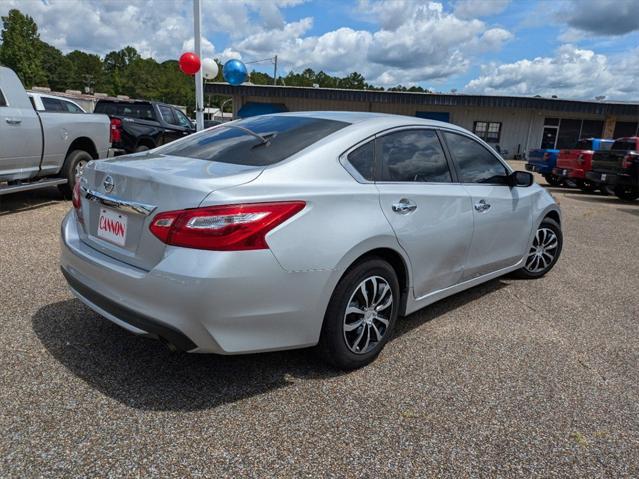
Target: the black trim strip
pixel 151 326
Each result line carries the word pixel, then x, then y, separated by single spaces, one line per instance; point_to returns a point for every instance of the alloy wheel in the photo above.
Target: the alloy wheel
pixel 368 314
pixel 543 250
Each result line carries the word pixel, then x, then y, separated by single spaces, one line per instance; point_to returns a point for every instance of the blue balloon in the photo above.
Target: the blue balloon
pixel 234 72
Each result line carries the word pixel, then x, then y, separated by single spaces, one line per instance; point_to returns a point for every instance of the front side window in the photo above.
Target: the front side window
pixel 363 160
pixel 475 163
pixel 412 155
pixel 284 135
pixel 489 131
pixel 71 107
pixel 182 120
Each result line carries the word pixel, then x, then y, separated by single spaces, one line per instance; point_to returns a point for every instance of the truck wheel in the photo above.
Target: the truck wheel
pixel 587 186
pixel 73 166
pixel 628 193
pixel 552 180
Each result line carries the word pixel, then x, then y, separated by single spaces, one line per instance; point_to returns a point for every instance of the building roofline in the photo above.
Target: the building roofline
pixel 426 99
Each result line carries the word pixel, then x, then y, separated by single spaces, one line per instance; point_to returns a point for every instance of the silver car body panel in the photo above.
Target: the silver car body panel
pixel 250 301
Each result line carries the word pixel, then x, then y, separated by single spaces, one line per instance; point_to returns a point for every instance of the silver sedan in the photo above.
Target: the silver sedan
pixel 301 229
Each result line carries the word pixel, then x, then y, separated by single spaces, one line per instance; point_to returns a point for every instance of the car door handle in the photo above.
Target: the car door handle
pixel 404 206
pixel 481 205
pixel 13 121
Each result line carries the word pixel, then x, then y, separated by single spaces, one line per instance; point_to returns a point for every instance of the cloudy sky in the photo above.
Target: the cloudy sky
pixel 569 48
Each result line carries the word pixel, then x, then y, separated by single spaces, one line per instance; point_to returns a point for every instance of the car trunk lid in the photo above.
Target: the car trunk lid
pixel 121 196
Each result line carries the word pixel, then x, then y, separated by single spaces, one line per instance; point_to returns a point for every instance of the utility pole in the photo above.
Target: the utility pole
pixel 199 87
pixel 275 70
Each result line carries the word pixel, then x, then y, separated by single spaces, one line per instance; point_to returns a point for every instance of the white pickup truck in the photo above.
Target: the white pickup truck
pixel 44 148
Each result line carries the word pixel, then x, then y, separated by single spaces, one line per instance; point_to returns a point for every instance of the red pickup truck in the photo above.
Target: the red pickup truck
pixel 573 164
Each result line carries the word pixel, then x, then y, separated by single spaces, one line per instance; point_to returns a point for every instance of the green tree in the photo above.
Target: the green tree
pixel 58 68
pixel 21 48
pixel 86 71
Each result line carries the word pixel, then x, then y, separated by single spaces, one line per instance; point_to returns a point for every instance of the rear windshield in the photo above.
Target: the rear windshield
pixel 584 145
pixel 286 136
pixel 605 145
pixel 624 145
pixel 142 111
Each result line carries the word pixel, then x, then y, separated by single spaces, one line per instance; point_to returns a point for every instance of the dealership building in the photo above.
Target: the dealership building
pixel 513 124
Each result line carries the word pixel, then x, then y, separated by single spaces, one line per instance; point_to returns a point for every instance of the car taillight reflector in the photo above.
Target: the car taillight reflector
pixel 76 200
pixel 223 228
pixel 115 131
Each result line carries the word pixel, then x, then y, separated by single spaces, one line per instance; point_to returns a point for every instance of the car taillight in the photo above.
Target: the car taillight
pixel 115 132
pixel 223 228
pixel 76 200
pixel 628 161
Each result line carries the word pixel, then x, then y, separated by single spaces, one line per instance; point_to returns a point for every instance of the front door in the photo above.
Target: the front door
pixel 430 215
pixel 20 140
pixel 502 215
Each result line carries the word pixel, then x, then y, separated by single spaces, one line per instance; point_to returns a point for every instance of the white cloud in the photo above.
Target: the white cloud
pixel 570 73
pixel 415 42
pixel 479 8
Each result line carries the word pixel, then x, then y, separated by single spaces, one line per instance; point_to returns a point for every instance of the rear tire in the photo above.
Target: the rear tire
pixel 73 166
pixel 361 315
pixel 628 193
pixel 544 251
pixel 587 186
pixel 553 180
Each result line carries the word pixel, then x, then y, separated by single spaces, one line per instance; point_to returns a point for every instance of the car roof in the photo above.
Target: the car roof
pixel 364 117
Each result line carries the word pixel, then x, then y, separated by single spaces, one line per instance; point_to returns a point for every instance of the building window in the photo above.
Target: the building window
pixel 487 130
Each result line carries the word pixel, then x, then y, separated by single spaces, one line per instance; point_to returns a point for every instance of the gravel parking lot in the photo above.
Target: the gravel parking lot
pixel 533 378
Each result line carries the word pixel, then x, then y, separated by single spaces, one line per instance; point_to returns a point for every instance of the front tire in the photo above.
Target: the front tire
pixel 73 166
pixel 544 251
pixel 628 193
pixel 361 315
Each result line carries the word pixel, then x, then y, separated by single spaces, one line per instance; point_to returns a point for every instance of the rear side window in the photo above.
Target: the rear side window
pixel 167 114
pixel 475 163
pixel 363 160
pixel 3 102
pixel 412 155
pixel 142 111
pixel 286 136
pixel 51 104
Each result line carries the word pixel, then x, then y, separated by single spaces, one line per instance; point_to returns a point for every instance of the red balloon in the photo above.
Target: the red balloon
pixel 190 63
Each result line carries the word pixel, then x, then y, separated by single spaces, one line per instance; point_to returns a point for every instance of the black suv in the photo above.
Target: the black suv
pixel 141 125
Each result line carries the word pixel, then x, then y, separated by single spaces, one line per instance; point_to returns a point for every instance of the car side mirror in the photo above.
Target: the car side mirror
pixel 521 178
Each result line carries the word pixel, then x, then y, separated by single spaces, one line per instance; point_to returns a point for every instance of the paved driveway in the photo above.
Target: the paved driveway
pixel 512 377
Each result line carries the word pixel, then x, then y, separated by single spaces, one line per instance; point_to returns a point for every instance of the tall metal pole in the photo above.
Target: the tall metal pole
pixel 275 70
pixel 199 88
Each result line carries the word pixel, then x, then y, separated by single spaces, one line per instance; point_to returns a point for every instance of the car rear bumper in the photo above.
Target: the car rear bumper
pixel 116 152
pixel 611 179
pixel 201 301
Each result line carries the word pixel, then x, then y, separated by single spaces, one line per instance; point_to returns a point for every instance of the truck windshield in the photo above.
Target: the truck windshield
pixel 243 142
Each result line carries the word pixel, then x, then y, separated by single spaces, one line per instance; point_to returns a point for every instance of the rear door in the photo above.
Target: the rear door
pixel 171 130
pixel 502 215
pixel 430 214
